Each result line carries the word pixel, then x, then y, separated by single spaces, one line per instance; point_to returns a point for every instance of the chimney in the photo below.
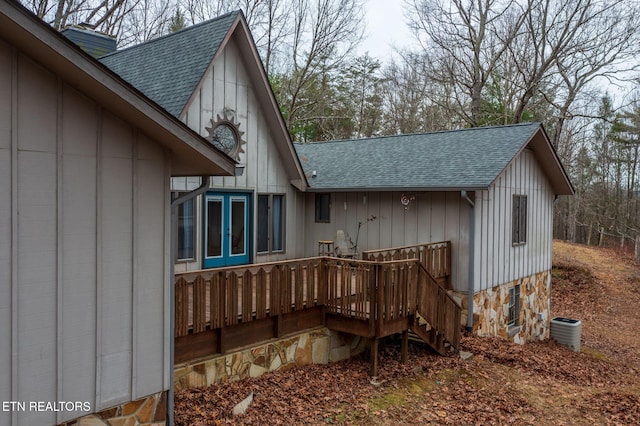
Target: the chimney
pixel 94 43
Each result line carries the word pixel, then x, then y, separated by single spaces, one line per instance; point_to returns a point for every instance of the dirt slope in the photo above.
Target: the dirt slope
pixel 540 383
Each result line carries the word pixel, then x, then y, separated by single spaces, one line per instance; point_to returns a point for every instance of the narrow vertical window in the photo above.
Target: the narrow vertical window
pixel 514 306
pixel 519 220
pixel 323 208
pixel 186 231
pixel 277 223
pixel 271 223
pixel 263 223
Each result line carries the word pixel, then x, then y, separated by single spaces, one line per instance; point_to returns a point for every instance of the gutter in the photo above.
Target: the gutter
pixel 206 180
pixel 394 189
pixel 471 286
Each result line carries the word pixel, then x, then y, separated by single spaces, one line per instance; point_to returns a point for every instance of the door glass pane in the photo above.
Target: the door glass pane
pixel 237 226
pixel 214 227
pixel 263 223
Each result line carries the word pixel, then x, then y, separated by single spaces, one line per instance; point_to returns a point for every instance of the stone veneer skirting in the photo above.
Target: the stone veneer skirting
pixel 315 346
pixel 491 309
pixel 148 411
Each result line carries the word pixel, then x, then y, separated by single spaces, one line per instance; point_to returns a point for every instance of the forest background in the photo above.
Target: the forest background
pixel 472 63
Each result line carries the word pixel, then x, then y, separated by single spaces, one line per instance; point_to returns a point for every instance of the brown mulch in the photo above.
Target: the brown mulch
pixel 503 383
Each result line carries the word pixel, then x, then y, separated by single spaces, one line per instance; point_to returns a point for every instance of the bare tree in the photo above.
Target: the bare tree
pixel 130 21
pixel 463 41
pixel 570 45
pixel 500 56
pixel 324 33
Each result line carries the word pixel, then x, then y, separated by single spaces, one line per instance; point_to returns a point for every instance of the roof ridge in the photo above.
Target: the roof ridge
pixel 422 133
pixel 181 31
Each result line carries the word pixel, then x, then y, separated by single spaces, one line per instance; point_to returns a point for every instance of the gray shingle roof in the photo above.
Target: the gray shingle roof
pixel 468 158
pixel 157 68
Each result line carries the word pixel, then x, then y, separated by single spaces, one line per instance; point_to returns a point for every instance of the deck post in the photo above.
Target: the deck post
pixel 220 335
pixel 374 357
pixel 278 326
pixel 404 347
pixel 380 302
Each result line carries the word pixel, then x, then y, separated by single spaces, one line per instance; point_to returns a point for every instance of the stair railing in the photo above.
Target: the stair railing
pixel 438 308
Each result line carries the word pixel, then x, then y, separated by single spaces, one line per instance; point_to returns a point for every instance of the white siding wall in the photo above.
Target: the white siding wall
pixel 83 249
pixel 432 217
pixel 226 85
pixel 498 261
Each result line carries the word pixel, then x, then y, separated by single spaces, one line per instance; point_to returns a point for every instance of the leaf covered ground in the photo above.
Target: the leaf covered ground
pixel 503 383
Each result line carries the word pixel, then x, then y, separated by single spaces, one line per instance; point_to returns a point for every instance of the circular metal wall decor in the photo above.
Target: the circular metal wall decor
pixel 225 135
pixel 406 200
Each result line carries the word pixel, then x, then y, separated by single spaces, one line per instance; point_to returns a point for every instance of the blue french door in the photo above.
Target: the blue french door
pixel 226 229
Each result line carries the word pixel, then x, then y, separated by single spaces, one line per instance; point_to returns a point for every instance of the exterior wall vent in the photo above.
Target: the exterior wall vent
pixel 94 43
pixel 567 331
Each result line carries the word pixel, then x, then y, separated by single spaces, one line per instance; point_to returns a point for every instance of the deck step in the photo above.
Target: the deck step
pixel 430 337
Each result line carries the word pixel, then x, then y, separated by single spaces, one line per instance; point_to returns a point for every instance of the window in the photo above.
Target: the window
pixel 323 208
pixel 271 223
pixel 186 231
pixel 519 226
pixel 514 306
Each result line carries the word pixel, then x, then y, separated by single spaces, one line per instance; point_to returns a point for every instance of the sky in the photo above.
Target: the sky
pixel 385 28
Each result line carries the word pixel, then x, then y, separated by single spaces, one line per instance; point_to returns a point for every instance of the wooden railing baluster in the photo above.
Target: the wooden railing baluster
pixel 181 308
pixel 199 305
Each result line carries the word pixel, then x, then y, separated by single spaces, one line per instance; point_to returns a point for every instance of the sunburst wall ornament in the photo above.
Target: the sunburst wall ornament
pixel 225 135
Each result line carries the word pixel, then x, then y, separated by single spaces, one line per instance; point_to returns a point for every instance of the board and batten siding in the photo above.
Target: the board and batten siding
pixel 431 217
pixel 83 254
pixel 226 86
pixel 498 261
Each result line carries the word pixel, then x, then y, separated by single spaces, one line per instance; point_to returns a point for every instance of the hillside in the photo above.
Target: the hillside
pixel 503 383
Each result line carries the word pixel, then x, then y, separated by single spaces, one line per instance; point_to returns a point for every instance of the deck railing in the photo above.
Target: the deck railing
pixel 217 298
pixel 215 309
pixel 435 257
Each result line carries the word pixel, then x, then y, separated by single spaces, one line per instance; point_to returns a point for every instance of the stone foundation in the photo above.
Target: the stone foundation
pixel 316 346
pixel 147 411
pixel 491 309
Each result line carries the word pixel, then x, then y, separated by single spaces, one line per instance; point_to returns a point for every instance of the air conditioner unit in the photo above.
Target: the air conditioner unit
pixel 567 331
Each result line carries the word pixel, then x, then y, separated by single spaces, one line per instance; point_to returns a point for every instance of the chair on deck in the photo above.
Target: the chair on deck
pixel 344 247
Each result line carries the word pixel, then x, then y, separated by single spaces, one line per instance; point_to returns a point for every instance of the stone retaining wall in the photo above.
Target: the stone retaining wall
pixel 147 411
pixel 491 309
pixel 315 346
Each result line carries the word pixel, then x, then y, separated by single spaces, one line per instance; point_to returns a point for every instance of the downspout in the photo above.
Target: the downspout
pixel 172 310
pixel 471 285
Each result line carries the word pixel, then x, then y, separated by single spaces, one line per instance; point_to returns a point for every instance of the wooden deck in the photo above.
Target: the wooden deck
pixel 219 310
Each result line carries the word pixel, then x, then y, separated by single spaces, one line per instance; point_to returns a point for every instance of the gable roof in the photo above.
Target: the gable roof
pixel 169 68
pixel 454 160
pixel 190 153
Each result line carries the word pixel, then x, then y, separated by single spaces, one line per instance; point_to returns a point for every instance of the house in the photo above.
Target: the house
pixel 85 285
pixel 489 191
pixel 86 263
